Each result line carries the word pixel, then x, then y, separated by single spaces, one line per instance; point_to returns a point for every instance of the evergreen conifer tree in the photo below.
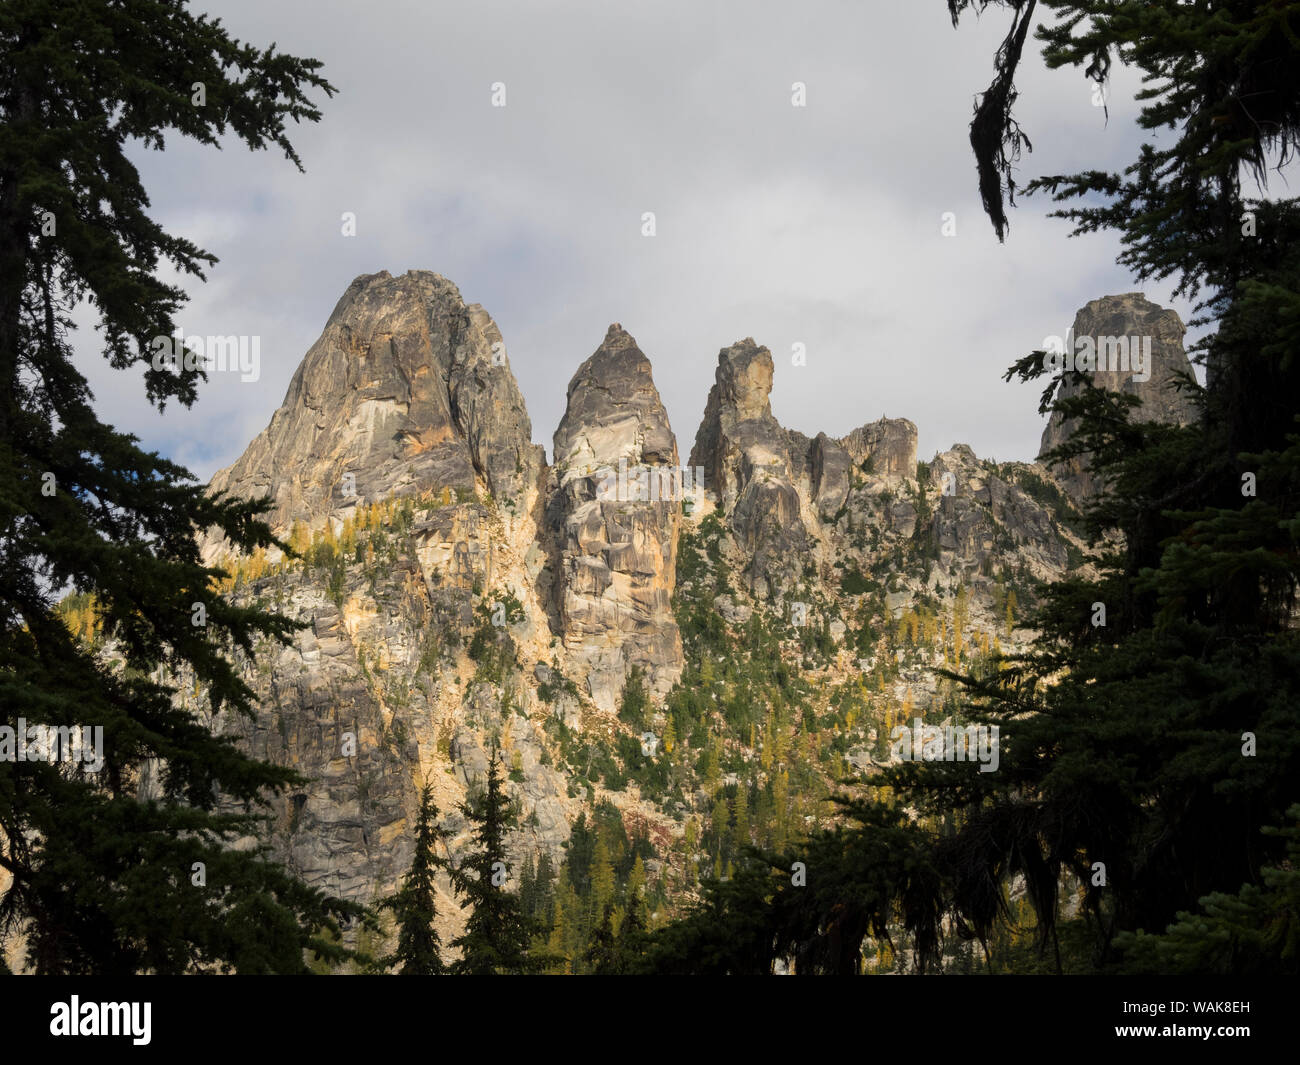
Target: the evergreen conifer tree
pixel 1144 757
pixel 104 880
pixel 414 904
pixel 602 949
pixel 498 934
pixel 632 937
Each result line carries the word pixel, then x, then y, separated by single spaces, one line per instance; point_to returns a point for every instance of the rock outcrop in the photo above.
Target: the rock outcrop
pixel 407 389
pixel 750 466
pixel 612 514
pixel 980 515
pixel 405 431
pixel 774 483
pixel 830 468
pixel 374 699
pixel 1110 332
pixel 886 448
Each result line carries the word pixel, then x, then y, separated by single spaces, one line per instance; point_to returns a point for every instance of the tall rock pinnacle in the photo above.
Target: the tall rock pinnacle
pixel 614 532
pixel 408 388
pixel 473 622
pixel 1137 347
pixel 750 465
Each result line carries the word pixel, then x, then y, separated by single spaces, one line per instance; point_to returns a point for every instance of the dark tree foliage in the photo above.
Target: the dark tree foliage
pixel 103 870
pixel 731 931
pixel 1136 758
pixel 602 951
pixel 857 881
pixel 1254 932
pixel 498 934
pixel 581 852
pixel 414 904
pixel 632 940
pixel 994 133
pixel 622 953
pixel 537 889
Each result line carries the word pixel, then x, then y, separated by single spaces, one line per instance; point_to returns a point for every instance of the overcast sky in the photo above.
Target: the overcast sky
pixel 818 225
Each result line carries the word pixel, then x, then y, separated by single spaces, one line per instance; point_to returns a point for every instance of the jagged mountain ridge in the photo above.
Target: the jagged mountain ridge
pixel 463 594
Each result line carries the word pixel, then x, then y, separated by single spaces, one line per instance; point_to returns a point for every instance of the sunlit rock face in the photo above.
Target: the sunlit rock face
pixel 408 389
pixel 1135 346
pixel 612 517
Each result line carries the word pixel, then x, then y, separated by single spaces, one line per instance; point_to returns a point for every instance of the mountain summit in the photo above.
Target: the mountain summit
pixel 408 388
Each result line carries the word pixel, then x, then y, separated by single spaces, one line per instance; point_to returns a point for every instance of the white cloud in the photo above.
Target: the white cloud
pixel 819 225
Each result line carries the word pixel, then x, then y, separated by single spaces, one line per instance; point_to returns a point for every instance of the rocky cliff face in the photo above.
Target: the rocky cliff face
pixel 465 597
pixel 887 447
pixel 614 501
pixel 1131 345
pixel 983 512
pixel 801 510
pixel 379 695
